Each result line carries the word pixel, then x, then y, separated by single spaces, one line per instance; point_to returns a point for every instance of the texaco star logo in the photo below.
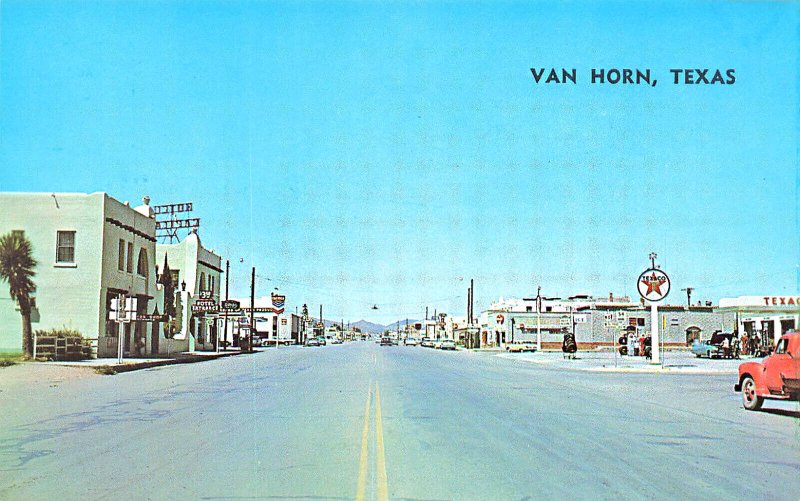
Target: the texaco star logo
pixel 653 284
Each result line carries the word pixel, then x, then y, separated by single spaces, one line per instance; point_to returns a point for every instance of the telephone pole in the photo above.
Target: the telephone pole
pixel 252 307
pixel 688 291
pixel 225 326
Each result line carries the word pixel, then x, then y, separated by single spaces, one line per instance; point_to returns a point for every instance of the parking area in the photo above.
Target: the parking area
pixel 679 361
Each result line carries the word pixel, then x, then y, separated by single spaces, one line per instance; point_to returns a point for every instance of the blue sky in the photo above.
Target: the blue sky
pixel 384 153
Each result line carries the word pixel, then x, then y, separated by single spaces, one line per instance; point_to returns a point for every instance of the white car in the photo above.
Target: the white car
pixel 410 341
pixel 447 344
pixel 520 347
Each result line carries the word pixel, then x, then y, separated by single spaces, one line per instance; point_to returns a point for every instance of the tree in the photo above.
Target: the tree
pixel 169 299
pixel 16 268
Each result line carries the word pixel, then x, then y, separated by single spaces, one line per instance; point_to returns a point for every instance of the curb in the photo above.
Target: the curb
pixel 632 370
pixel 111 369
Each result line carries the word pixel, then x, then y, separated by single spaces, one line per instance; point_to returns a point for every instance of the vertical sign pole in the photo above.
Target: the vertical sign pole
pixel 121 315
pixel 654 346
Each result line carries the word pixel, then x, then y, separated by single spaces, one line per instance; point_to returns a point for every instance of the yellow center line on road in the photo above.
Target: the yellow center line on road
pixel 362 464
pixel 383 482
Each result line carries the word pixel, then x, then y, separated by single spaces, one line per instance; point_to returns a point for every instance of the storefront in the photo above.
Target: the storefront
pixel 767 317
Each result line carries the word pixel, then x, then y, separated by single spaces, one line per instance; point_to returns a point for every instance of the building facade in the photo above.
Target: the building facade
pixel 89 248
pixel 196 275
pixel 766 316
pixel 594 321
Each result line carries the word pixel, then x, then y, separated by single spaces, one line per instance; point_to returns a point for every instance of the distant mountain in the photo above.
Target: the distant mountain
pixel 401 324
pixel 369 327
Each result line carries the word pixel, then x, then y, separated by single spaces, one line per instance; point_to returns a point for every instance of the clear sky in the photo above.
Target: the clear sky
pixel 384 153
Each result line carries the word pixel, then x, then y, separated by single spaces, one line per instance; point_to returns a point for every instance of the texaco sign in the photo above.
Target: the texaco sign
pixel 653 284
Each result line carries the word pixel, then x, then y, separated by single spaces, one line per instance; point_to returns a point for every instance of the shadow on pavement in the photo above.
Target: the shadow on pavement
pixel 782 412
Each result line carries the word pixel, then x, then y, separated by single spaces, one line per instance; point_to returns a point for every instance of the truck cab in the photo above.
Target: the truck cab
pixel 776 377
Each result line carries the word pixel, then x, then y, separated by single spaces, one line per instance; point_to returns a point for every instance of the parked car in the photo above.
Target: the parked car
pixel 410 341
pixel 447 344
pixel 520 347
pixel 312 341
pixel 336 340
pixel 426 342
pixel 386 341
pixel 720 345
pixel 775 377
pixel 322 341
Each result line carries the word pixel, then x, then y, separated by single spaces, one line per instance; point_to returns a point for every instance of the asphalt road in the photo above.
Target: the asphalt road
pixel 360 421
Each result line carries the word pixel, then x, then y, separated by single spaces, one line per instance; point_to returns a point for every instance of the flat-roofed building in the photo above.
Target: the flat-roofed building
pixel 89 249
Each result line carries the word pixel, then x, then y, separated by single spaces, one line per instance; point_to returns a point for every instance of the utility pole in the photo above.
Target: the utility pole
pixel 252 307
pixel 227 276
pixel 539 319
pixel 688 295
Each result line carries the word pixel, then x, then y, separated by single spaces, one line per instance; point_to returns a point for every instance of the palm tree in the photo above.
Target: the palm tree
pixel 16 268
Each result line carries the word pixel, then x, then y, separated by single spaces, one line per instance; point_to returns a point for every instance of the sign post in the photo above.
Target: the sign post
pixel 123 310
pixel 653 285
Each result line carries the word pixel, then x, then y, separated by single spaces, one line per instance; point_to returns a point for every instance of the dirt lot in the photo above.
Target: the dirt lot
pixel 28 376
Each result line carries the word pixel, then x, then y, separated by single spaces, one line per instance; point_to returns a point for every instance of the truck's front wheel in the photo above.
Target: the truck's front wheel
pixel 750 400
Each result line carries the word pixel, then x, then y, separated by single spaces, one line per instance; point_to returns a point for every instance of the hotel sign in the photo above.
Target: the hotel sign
pixel 172 208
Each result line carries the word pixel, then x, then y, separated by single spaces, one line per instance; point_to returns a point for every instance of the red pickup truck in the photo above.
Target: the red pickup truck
pixel 776 377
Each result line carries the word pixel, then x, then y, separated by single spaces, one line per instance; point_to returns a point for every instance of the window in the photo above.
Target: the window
pixel 129 261
pixel 176 275
pixel 141 265
pixel 65 247
pixel 121 257
pixel 782 347
pixel 202 281
pixel 211 282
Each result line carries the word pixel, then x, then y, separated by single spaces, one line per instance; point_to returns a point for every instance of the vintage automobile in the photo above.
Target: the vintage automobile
pixel 776 377
pixel 521 347
pixel 720 345
pixel 447 344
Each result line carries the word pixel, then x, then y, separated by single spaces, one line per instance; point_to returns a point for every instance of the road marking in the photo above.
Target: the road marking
pixel 362 464
pixel 383 482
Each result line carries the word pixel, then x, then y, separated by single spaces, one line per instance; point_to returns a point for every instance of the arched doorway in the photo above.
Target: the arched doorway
pixel 692 334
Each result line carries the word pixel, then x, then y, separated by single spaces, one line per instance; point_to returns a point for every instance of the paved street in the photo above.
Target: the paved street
pixel 360 421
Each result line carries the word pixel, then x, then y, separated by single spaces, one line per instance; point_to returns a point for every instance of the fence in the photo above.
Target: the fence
pixel 64 348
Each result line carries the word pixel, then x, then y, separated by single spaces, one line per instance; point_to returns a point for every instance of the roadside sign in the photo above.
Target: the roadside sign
pixel 653 284
pixel 204 306
pixel 231 305
pixel 149 317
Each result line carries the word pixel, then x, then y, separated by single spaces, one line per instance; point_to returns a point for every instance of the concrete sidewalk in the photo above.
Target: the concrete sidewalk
pixel 112 366
pixel 673 362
